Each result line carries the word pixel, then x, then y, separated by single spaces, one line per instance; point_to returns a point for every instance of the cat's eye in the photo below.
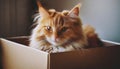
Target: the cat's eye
pixel 64 29
pixel 48 28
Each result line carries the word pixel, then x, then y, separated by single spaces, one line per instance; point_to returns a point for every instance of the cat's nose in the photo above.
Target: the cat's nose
pixel 55 39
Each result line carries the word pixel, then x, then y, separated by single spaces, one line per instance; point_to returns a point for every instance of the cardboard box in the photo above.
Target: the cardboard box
pixel 17 55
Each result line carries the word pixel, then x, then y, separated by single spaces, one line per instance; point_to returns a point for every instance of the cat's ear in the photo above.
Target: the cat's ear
pixel 75 11
pixel 43 12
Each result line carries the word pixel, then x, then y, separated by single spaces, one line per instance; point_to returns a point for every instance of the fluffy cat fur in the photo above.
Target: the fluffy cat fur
pixel 61 31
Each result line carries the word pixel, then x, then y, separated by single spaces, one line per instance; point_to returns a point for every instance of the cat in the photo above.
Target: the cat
pixel 61 31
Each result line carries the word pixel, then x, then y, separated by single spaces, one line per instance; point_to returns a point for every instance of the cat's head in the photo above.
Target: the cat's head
pixel 59 28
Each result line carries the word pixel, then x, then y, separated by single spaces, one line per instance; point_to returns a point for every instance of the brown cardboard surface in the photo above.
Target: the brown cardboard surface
pixel 19 56
pixel 95 58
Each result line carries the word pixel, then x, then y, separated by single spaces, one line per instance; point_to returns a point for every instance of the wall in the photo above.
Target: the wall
pixel 15 17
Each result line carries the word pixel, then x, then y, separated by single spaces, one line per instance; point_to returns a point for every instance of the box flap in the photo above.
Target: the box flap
pixel 17 56
pixel 94 58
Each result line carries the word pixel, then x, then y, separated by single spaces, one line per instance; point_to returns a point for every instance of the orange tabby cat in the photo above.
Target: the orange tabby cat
pixel 60 31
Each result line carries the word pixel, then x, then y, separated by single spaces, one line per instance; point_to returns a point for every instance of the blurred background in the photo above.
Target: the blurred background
pixel 104 15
